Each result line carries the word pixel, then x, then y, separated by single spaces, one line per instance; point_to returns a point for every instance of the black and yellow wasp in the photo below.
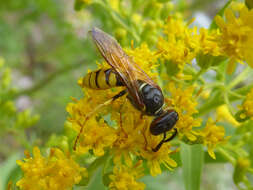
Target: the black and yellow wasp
pixel 144 94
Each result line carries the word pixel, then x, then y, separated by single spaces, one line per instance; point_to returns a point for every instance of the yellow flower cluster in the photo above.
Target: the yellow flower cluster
pixel 58 171
pixel 146 58
pixel 248 104
pixel 233 39
pixel 124 178
pixel 212 135
pixel 185 104
pixel 179 44
pixel 236 37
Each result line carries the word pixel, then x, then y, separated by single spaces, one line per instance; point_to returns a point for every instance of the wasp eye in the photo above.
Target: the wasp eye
pixel 157 99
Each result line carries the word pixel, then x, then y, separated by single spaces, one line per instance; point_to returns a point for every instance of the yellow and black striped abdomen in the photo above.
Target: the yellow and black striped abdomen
pixel 101 79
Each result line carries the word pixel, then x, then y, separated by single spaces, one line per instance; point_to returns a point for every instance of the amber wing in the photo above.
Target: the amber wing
pixel 124 65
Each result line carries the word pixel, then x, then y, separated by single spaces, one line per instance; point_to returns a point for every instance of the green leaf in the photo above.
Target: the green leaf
pixel 192 157
pixel 106 179
pixel 11 171
pixel 96 181
pixel 220 13
pixel 93 167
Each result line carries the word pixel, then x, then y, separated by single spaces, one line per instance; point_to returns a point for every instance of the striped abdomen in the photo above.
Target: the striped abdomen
pixel 101 79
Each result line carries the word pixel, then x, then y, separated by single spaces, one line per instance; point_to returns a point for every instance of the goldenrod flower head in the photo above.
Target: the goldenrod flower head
pixel 180 43
pixel 97 135
pixel 236 38
pixel 212 136
pixel 248 104
pixel 156 159
pixel 185 104
pixel 124 178
pixel 145 58
pixel 58 171
pixel 208 43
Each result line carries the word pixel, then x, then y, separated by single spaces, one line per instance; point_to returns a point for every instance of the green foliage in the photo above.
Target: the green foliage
pixel 192 163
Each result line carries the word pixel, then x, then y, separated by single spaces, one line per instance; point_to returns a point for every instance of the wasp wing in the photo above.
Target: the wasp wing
pixel 126 68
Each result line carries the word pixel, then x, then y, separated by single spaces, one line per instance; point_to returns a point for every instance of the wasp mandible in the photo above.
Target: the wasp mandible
pixel 143 93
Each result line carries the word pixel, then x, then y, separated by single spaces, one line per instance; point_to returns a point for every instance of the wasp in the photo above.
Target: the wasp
pixel 143 93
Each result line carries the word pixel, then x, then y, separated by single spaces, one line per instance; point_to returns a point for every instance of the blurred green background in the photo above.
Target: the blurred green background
pixel 44 43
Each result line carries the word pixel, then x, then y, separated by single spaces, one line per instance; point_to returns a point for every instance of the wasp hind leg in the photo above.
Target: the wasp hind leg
pixel 87 117
pixel 165 140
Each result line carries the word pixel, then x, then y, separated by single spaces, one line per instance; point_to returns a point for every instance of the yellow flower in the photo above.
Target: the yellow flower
pixel 124 178
pixel 96 136
pixel 155 159
pixel 224 114
pixel 248 104
pixel 212 136
pixel 208 43
pixel 145 58
pixel 58 171
pixel 185 104
pixel 180 44
pixel 236 38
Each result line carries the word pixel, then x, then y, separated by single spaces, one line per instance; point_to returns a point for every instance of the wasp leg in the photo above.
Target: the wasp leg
pixel 160 144
pixel 122 93
pixel 172 136
pixel 120 119
pixel 95 110
pixel 163 140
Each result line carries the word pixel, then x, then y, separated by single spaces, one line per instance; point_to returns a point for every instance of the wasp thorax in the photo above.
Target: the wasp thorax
pixel 152 98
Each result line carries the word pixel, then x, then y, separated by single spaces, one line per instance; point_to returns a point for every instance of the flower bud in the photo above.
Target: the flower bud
pixel 120 33
pixel 241 167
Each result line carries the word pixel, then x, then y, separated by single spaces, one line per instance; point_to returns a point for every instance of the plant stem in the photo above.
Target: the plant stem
pixel 244 74
pixel 226 155
pixel 198 74
pixel 217 100
pixel 43 82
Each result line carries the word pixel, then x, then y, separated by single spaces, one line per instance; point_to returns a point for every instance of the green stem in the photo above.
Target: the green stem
pixel 226 155
pixel 237 95
pixel 226 99
pixel 198 74
pixel 42 83
pixel 214 85
pixel 244 74
pixel 217 100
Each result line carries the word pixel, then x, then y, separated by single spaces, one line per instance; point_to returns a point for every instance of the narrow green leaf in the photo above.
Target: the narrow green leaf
pixel 93 167
pixel 10 170
pixel 220 13
pixel 192 157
